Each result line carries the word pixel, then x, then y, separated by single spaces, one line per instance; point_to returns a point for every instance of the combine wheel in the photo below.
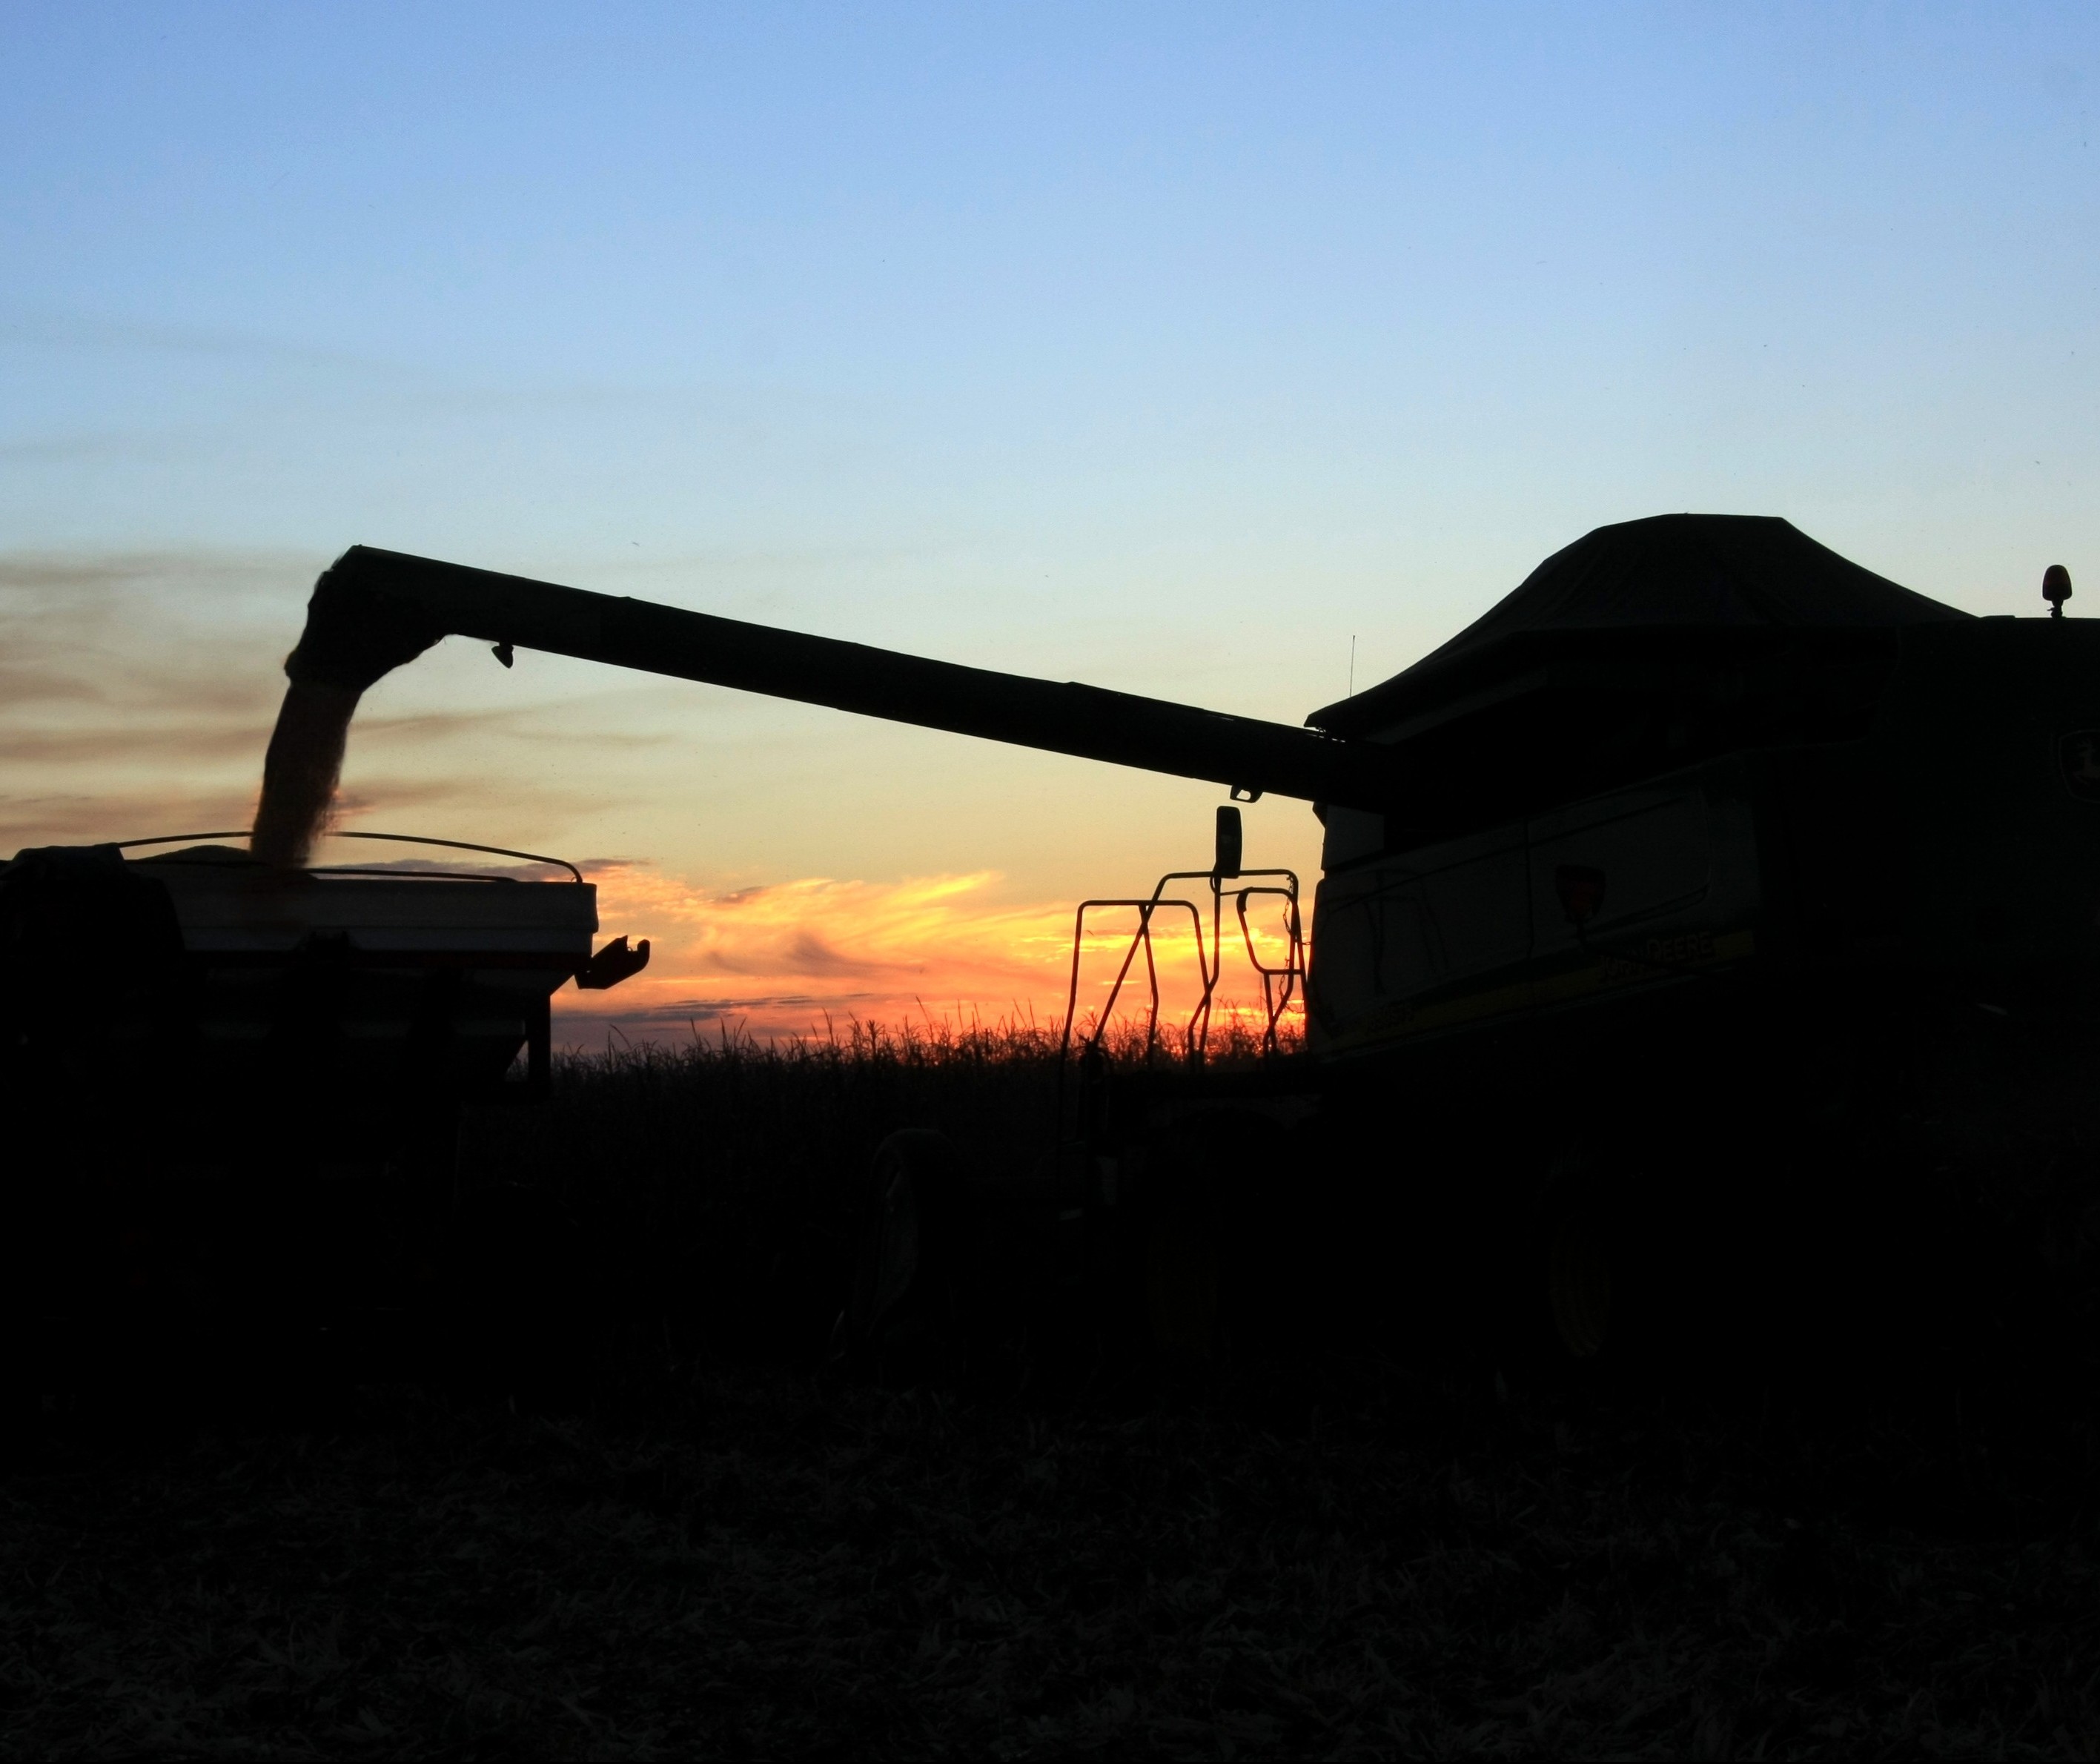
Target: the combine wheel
pixel 1184 1264
pixel 1578 1287
pixel 1576 1272
pixel 1222 1250
pixel 904 1316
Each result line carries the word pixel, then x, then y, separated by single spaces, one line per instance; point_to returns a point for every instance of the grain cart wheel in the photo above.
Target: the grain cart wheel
pixel 904 1318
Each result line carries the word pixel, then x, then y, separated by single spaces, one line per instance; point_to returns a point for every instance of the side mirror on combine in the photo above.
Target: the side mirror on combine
pixel 1231 842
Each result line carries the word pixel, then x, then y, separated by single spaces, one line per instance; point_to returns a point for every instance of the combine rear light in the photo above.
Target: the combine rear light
pixel 1581 891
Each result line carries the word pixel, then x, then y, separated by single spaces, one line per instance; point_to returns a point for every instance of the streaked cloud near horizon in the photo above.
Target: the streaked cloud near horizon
pixel 779 959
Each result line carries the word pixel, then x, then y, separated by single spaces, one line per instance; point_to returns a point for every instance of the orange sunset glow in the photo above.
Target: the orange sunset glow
pixel 795 957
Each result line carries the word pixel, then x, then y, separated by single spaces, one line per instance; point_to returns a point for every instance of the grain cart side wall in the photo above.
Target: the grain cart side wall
pixel 92 988
pixel 312 1010
pixel 236 1090
pixel 355 997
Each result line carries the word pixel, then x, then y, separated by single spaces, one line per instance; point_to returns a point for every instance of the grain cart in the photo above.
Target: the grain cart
pixel 233 1091
pixel 1710 933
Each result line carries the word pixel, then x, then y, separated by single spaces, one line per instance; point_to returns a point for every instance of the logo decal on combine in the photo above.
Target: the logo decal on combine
pixel 1581 891
pixel 2079 754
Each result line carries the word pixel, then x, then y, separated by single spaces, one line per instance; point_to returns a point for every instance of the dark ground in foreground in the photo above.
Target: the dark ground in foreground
pixel 713 1545
pixel 769 1566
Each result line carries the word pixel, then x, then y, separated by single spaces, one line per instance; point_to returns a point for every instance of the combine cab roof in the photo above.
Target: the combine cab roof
pixel 1704 581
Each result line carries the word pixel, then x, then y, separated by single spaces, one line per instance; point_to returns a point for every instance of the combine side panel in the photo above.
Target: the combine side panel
pixel 1989 750
pixel 1422 942
pixel 1645 889
pixel 1621 894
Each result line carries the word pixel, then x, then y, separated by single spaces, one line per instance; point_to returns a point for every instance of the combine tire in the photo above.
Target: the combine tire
pixel 1574 1275
pixel 904 1319
pixel 1224 1255
pixel 1578 1286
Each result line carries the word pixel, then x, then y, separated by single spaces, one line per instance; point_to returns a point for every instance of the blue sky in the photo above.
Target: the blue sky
pixel 1166 346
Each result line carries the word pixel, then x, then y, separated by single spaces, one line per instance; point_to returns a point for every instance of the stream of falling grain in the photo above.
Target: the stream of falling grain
pixel 300 770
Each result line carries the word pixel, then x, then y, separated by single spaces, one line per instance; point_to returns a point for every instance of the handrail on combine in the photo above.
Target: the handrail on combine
pixel 1278 984
pixel 399 838
pixel 1194 1035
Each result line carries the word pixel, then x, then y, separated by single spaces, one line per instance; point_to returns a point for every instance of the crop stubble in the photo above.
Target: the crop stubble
pixel 710 1543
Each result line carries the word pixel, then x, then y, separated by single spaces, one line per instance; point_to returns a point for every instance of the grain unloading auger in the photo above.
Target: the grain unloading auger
pixel 374 610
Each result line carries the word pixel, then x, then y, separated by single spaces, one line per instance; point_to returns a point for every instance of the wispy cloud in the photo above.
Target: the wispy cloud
pixel 778 959
pixel 95 331
pixel 135 694
pixel 521 722
pixel 60 818
pixel 133 681
pixel 480 863
pixel 67 572
pixel 527 801
pixel 105 444
pixel 31 684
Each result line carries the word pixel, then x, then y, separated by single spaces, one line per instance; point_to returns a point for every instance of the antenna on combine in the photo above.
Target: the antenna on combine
pixel 2056 589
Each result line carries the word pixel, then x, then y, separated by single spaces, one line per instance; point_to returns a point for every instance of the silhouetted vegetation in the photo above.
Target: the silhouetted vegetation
pixel 668 1524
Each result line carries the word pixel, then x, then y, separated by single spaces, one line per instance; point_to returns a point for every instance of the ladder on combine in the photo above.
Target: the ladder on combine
pixel 1280 982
